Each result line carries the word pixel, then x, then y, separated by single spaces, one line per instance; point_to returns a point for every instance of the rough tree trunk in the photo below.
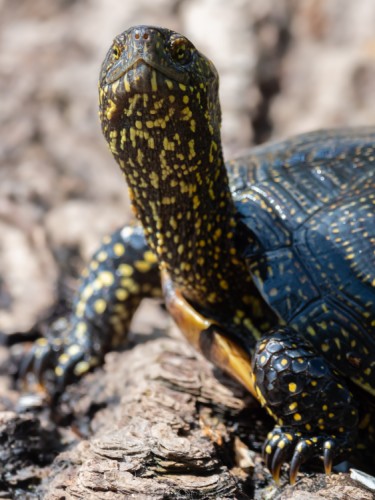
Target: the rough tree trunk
pixel 157 422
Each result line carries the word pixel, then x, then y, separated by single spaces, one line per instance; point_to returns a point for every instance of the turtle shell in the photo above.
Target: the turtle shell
pixel 310 203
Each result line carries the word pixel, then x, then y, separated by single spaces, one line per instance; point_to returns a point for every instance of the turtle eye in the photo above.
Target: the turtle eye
pixel 181 50
pixel 116 52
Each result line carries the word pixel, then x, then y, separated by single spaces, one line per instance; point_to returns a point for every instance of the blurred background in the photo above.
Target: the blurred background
pixel 286 66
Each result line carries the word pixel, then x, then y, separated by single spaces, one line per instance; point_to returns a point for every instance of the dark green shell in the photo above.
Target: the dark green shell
pixel 310 202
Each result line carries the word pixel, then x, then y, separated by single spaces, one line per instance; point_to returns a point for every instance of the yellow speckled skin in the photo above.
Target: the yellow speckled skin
pixel 267 263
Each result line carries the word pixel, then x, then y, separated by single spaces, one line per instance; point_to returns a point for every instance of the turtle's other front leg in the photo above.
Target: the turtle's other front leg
pixel 313 408
pixel 121 273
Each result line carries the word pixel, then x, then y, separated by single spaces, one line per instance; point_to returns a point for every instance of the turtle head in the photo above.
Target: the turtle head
pixel 141 49
pixel 154 64
pixel 157 93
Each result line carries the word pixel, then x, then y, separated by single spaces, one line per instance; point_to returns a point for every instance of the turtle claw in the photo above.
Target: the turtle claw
pixel 266 453
pixel 45 353
pixel 328 455
pixel 285 444
pixel 25 366
pixel 277 450
pixel 277 462
pixel 53 363
pixel 37 360
pixel 64 371
pixel 304 450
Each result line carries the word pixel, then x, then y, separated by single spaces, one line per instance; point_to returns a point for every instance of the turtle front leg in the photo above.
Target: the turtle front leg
pixel 121 273
pixel 314 410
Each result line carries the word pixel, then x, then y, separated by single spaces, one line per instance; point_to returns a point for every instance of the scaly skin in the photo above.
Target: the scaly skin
pixel 238 273
pixel 120 274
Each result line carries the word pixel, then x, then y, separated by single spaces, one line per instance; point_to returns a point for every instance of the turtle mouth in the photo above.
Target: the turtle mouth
pixel 122 67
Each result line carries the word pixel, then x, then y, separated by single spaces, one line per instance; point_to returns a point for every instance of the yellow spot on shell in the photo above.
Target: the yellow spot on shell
pixel 224 284
pixel 297 417
pixel 311 331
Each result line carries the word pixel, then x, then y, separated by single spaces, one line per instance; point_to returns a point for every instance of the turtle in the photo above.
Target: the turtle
pixel 265 262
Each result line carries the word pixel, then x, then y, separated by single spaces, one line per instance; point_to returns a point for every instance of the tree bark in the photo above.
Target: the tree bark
pixel 157 421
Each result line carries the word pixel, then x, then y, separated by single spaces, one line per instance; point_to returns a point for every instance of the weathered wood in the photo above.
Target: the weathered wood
pixel 25 448
pixel 156 422
pixel 157 437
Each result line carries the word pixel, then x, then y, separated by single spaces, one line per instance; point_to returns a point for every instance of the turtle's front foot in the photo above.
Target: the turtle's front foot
pixel 285 444
pixel 313 408
pixel 121 273
pixel 55 362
